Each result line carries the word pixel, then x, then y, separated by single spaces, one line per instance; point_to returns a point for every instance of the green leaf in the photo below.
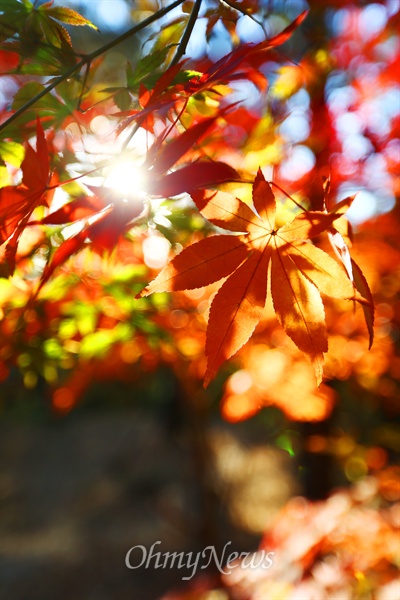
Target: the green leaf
pixel 171 34
pixel 12 5
pixel 68 91
pixel 147 65
pixel 13 17
pixel 12 152
pixel 54 33
pixel 42 60
pixel 185 76
pixel 4 177
pixel 29 91
pixel 123 99
pixel 130 76
pixel 68 15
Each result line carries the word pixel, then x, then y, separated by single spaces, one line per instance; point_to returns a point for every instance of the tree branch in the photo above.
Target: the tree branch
pixel 245 13
pixel 90 57
pixel 288 196
pixel 188 32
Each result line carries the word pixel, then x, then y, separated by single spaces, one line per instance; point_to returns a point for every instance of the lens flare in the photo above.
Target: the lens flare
pixel 127 178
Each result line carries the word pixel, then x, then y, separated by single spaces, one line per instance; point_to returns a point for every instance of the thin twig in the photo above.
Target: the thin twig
pixel 288 195
pixel 245 14
pixel 130 136
pixel 78 106
pixel 89 58
pixel 181 50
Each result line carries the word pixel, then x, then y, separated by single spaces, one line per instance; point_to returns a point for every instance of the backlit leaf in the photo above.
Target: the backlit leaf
pixel 285 34
pixel 224 210
pixel 176 149
pixel 264 200
pixel 322 270
pixel 306 225
pixel 236 311
pixel 75 210
pixel 368 308
pixel 35 166
pixel 299 308
pixel 63 252
pixel 17 203
pixel 68 15
pixel 200 264
pixel 187 179
pixel 146 66
pixel 31 89
pixel 12 152
pixel 300 272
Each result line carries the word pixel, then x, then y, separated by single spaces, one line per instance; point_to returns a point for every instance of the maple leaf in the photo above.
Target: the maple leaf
pixel 17 203
pixel 300 272
pixel 107 215
pixel 161 157
pixel 236 65
pixel 338 235
pixel 226 69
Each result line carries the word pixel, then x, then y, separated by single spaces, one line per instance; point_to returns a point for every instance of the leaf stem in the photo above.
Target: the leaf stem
pixel 245 13
pixel 85 78
pixel 187 33
pixel 288 195
pixel 88 58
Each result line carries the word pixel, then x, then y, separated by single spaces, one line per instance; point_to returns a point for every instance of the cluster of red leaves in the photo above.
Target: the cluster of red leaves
pixel 109 219
pixel 104 215
pixel 272 371
pixel 239 64
pixel 18 202
pixel 257 256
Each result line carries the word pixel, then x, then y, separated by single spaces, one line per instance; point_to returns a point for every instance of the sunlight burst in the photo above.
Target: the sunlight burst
pixel 127 178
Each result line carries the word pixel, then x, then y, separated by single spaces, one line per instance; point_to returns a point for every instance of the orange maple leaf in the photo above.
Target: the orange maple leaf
pixel 299 273
pixel 338 236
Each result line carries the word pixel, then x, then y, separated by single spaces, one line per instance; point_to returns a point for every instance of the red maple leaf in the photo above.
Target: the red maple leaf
pixel 238 64
pixel 17 203
pixel 299 273
pixel 106 215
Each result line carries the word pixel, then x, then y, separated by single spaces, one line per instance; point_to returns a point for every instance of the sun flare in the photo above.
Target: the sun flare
pixel 127 178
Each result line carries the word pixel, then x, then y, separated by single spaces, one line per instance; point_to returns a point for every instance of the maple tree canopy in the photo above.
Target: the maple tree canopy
pixel 199 217
pixel 178 122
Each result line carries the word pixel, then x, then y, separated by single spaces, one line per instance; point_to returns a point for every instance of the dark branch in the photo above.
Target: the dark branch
pixel 89 58
pixel 188 32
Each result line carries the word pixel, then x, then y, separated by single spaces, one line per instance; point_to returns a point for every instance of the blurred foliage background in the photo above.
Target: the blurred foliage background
pixel 108 437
